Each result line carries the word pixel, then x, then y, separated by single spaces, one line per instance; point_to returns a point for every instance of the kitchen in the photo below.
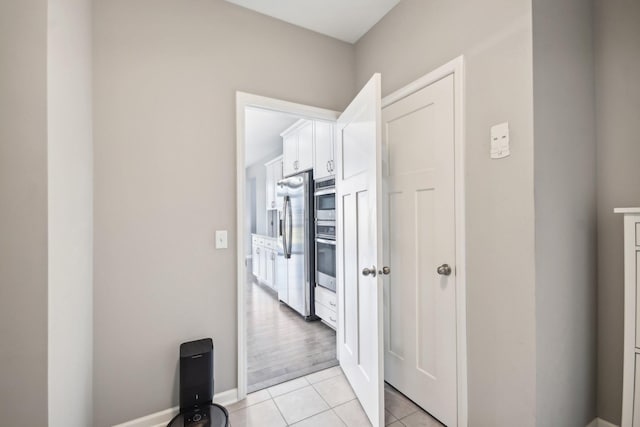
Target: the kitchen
pixel 290 294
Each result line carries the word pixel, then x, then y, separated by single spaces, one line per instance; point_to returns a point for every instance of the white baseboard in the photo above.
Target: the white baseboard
pixel 599 422
pixel 162 418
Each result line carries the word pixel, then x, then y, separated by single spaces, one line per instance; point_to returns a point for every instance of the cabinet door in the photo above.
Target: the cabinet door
pixel 636 394
pixel 271 260
pixel 637 287
pixel 277 170
pixel 255 260
pixel 323 144
pixel 263 263
pixel 305 147
pixel 290 153
pixel 271 186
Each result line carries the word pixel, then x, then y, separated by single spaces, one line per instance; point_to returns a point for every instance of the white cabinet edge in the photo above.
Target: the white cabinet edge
pixel 627 210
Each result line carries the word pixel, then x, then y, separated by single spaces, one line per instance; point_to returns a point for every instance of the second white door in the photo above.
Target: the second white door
pixel 419 236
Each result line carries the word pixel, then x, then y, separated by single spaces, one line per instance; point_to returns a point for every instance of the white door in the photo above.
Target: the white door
pixel 358 251
pixel 419 231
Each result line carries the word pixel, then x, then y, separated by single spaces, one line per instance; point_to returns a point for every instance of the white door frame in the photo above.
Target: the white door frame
pixel 244 100
pixel 455 68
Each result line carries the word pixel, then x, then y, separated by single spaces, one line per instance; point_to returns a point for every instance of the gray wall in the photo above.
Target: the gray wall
pixel 495 37
pixel 70 178
pixel 617 30
pixel 165 76
pixel 565 208
pixel 23 211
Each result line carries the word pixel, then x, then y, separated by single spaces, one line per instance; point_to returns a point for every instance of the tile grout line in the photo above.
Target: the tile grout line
pixel 279 411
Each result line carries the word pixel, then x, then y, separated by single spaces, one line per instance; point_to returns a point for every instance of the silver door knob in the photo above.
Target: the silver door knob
pixel 369 271
pixel 385 271
pixel 444 270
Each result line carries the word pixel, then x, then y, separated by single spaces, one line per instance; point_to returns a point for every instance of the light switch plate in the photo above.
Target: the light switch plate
pixel 500 141
pixel 221 239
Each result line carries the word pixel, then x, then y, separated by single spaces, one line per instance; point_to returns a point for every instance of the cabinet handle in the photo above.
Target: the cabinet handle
pixel 332 166
pixel 257 250
pixel 332 303
pixel 273 204
pixel 328 165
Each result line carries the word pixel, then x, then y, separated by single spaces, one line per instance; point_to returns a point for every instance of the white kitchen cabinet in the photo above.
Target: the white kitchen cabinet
pixel 631 349
pixel 297 147
pixel 270 269
pixel 324 150
pixel 255 257
pixel 289 153
pixel 326 306
pixel 264 260
pixel 263 264
pixel 305 147
pixel 274 174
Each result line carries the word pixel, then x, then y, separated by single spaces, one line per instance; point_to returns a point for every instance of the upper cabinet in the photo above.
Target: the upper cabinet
pixel 324 148
pixel 297 147
pixel 274 174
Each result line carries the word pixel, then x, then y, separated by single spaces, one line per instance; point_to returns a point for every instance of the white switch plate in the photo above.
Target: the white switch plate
pixel 500 141
pixel 221 239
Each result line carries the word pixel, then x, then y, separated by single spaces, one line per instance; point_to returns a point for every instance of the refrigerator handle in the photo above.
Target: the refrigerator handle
pixel 290 224
pixel 284 228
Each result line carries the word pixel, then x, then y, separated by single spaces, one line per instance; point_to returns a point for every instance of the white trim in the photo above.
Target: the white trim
pixel 627 210
pixel 162 418
pixel 244 100
pixel 455 67
pixel 599 422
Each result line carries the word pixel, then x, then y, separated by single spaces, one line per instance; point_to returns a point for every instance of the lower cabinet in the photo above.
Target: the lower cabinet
pixel 255 257
pixel 326 306
pixel 631 347
pixel 264 260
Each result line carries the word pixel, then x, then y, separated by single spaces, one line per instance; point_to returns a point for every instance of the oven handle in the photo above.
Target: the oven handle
pixel 326 241
pixel 325 192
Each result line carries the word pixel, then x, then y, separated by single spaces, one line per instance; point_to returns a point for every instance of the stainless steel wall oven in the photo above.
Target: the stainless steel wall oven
pixel 325 206
pixel 325 194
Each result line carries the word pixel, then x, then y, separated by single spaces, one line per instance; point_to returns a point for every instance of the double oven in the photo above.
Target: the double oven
pixel 325 218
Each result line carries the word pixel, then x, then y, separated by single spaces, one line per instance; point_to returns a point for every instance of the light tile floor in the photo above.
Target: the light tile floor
pixel 322 399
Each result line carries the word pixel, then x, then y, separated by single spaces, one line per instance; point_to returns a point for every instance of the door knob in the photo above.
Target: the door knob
pixel 385 270
pixel 444 270
pixel 369 271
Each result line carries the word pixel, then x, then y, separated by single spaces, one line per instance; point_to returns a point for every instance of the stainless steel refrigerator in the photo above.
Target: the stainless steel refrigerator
pixel 295 269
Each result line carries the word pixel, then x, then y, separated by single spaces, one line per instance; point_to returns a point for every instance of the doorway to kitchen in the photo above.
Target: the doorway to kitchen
pixel 288 323
pixel 416 130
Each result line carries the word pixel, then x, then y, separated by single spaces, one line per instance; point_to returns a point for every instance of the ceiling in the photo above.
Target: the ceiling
pixel 345 20
pixel 262 133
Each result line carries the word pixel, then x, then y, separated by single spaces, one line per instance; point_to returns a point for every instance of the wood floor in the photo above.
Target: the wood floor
pixel 281 345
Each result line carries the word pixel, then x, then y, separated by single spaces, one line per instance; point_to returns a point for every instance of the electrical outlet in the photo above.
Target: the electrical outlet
pixel 500 141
